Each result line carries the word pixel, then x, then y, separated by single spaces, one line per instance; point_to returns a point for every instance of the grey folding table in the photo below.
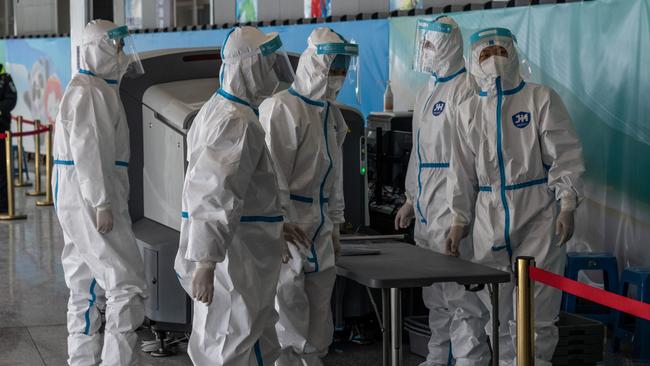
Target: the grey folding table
pixel 401 265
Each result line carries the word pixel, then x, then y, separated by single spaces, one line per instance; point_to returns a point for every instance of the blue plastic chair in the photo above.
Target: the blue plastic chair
pixel 639 329
pixel 599 261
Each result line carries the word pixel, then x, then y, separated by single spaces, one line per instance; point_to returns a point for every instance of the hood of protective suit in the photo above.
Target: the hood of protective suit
pixel 507 68
pixel 447 55
pixel 312 75
pixel 97 54
pixel 245 72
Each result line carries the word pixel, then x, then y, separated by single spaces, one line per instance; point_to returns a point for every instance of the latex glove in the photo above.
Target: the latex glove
pixel 564 226
pixel 404 216
pixel 104 219
pixel 456 234
pixel 203 282
pixel 336 240
pixel 293 234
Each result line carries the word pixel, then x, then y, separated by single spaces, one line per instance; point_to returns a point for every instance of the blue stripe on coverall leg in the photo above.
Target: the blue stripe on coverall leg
pixel 56 189
pixel 417 203
pixel 258 354
pixel 91 303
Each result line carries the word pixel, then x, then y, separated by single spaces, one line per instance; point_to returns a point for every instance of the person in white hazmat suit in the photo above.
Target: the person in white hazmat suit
pixel 305 131
pixel 231 236
pixel 514 157
pixel 91 188
pixel 457 317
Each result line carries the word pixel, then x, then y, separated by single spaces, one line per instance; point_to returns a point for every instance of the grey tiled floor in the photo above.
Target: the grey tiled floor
pixel 33 298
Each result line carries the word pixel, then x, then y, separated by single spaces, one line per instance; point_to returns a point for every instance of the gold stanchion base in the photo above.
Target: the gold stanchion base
pixel 20 185
pixel 34 194
pixel 5 217
pixel 44 203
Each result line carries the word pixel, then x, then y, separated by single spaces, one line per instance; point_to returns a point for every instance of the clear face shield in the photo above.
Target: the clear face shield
pixel 276 66
pixel 431 38
pixel 494 52
pixel 122 40
pixel 344 69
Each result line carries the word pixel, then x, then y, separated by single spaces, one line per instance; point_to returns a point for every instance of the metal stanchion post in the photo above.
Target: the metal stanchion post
pixel 525 311
pixel 48 168
pixel 11 212
pixel 37 162
pixel 20 182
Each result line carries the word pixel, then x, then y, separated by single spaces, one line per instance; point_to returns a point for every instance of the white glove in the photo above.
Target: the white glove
pixel 104 219
pixel 404 216
pixel 293 234
pixel 456 234
pixel 203 282
pixel 564 226
pixel 336 240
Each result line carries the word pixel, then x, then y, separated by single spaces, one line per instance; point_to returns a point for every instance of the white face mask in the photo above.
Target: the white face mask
pixel 334 85
pixel 494 66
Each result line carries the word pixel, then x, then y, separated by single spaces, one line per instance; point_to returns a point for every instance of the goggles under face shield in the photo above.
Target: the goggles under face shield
pixel 430 36
pixel 498 42
pixel 280 60
pixel 345 62
pixel 123 42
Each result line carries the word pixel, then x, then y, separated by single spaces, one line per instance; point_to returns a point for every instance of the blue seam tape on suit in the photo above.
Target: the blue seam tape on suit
pixel 502 172
pixel 258 354
pixel 513 187
pixel 261 219
pixel 299 198
pixel 91 303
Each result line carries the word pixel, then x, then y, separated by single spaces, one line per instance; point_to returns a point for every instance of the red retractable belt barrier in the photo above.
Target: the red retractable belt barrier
pixel 26 133
pixel 606 298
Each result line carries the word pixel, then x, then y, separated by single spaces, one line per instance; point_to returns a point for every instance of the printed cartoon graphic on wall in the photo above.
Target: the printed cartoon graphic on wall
pixel 40 69
pixel 44 91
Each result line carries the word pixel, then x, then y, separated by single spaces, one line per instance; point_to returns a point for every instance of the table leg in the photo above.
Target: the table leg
pixel 494 292
pixel 396 326
pixel 385 314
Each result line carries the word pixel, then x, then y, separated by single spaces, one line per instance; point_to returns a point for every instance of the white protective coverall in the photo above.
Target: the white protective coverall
pixel 305 133
pixel 232 214
pixel 457 317
pixel 91 152
pixel 514 156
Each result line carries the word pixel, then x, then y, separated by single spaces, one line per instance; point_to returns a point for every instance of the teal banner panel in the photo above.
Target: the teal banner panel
pixel 595 55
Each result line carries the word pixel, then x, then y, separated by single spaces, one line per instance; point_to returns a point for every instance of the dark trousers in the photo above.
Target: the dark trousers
pixel 3 173
pixel 3 177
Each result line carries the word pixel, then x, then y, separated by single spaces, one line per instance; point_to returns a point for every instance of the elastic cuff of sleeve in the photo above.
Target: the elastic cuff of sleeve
pixel 568 203
pixel 206 265
pixel 337 218
pixel 103 206
pixel 458 221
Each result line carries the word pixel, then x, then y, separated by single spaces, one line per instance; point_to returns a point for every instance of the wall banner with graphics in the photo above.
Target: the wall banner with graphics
pixel 594 54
